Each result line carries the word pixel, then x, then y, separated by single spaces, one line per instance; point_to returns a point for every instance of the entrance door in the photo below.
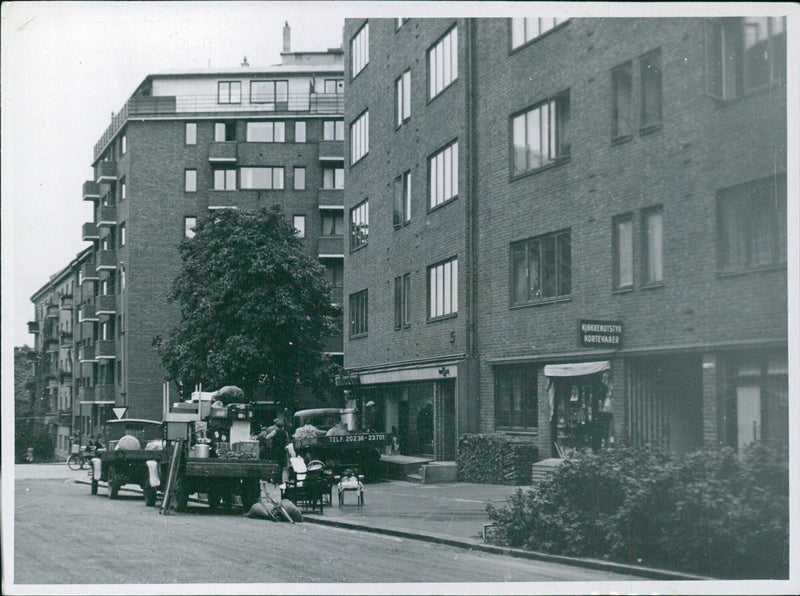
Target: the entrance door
pixel 748 414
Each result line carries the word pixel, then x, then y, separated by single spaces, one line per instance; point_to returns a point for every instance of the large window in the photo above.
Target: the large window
pixel 359 50
pixel 191 133
pixel 541 268
pixel 443 175
pixel 650 94
pixel 299 178
pixel 401 214
pixel 621 100
pixel 333 130
pixel 266 132
pixel 540 135
pixel 443 63
pixel 623 251
pixel 402 293
pixel 225 179
pixel 359 225
pixel 515 397
pixel 359 137
pixel 359 313
pixel 274 93
pixel 751 224
pixel 443 289
pixel 524 30
pixel 229 92
pixel 261 178
pixel 653 245
pixel 190 180
pixel 744 54
pixel 403 97
pixel 332 178
pixel 332 223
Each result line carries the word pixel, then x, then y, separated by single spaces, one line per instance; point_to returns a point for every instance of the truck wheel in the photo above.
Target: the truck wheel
pixel 214 498
pixel 113 488
pixel 149 496
pixel 95 483
pixel 250 493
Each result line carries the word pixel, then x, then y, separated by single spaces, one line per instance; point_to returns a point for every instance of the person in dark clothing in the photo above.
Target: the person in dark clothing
pixel 280 438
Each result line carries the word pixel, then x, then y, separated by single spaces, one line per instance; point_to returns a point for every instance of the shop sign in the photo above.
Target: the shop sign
pixel 347 380
pixel 600 334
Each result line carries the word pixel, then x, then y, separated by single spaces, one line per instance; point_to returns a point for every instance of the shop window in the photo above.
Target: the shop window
pixel 515 397
pixel 359 311
pixel 540 135
pixel 359 225
pixel 541 268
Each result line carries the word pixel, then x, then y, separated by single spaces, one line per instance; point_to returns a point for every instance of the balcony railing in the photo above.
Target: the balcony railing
pixel 87 313
pixel 91 190
pixel 65 337
pixel 65 303
pixel 226 152
pixel 331 150
pixel 51 345
pixel 105 304
pixel 105 171
pixel 52 311
pixel 331 246
pixel 33 327
pixel 106 260
pixel 90 231
pixel 86 354
pixel 294 103
pixel 104 393
pixel 333 344
pixel 105 216
pixel 337 294
pixel 331 197
pixel 89 272
pixel 105 349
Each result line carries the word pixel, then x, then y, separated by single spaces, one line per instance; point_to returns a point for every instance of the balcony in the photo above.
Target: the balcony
pixel 105 216
pixel 331 246
pixel 65 337
pixel 105 305
pixel 65 373
pixel 51 345
pixel 106 260
pixel 65 303
pixel 105 171
pixel 105 349
pixel 90 231
pixel 91 190
pixel 87 313
pixel 223 152
pixel 333 344
pixel 88 273
pixel 337 294
pixel 86 354
pixel 331 198
pixel 331 150
pixel 33 327
pixel 65 416
pixel 104 393
pixel 52 311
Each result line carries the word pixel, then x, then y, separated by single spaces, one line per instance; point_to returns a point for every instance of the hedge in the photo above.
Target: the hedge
pixel 495 459
pixel 709 511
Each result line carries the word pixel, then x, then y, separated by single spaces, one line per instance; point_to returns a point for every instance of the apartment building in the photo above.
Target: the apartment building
pixel 186 143
pixel 576 230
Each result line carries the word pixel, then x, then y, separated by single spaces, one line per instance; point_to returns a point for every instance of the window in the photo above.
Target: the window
pixel 300 131
pixel 333 130
pixel 224 131
pixel 299 178
pixel 229 92
pixel 402 289
pixel 653 245
pixel 124 144
pixel 525 30
pixel 359 50
pixel 443 63
pixel 744 54
pixel 333 86
pixel 190 180
pixel 266 132
pixel 751 225
pixel 650 78
pixel 443 289
pixel 403 97
pixel 515 397
pixel 359 137
pixel 190 135
pixel 359 225
pixel 261 178
pixel 225 179
pixel 189 224
pixel 122 234
pixel 275 93
pixel 123 189
pixel 359 305
pixel 623 251
pixel 332 178
pixel 443 175
pixel 621 92
pixel 332 223
pixel 299 223
pixel 402 200
pixel 334 272
pixel 541 268
pixel 540 135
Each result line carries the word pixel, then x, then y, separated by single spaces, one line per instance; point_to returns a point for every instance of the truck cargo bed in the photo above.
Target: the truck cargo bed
pixel 230 468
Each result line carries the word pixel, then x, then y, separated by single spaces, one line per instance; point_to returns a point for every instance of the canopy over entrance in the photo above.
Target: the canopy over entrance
pixel 577 369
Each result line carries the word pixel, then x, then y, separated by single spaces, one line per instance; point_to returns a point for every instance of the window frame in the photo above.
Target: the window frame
pixel 618 135
pixel 273 126
pixel 358 326
pixel 327 215
pixel 121 235
pixel 302 178
pixel 402 295
pixel 187 231
pixel 557 269
pixel 452 290
pixel 338 131
pixel 272 172
pixel 646 125
pixel 333 169
pixel 300 232
pixel 515 48
pixel 561 106
pixel 647 279
pixel 617 284
pixel 228 128
pixel 361 140
pixel 454 175
pixel 230 85
pixel 226 171
pixel 358 240
pixel 275 101
pixel 190 175
pixel 188 139
pixel 433 88
pixel 361 37
pixel 528 378
pixel 298 126
pixel 401 189
pixel 123 188
pixel 402 86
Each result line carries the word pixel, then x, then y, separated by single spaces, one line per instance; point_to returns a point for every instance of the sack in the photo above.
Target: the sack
pixel 292 510
pixel 258 511
pixel 128 443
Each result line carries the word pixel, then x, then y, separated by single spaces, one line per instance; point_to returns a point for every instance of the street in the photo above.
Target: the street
pixel 64 535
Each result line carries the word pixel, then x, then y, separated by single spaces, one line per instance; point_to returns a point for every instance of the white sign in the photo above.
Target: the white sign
pixel 120 412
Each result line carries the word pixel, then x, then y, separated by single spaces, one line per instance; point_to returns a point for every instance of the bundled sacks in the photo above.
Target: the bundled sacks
pixel 128 443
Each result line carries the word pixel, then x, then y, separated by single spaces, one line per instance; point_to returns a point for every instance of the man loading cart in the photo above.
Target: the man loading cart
pixel 272 442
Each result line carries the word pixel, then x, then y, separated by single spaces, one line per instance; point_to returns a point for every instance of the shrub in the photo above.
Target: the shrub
pixel 494 459
pixel 707 512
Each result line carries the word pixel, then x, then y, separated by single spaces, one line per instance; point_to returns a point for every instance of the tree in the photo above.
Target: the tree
pixel 254 307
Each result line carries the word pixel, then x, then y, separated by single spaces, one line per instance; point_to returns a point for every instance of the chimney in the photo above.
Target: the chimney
pixel 287 38
pixel 245 62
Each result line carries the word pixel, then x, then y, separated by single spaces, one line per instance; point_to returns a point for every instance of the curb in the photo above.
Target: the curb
pixel 643 572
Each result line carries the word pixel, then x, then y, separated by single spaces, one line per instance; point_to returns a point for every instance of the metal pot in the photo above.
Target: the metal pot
pixel 202 450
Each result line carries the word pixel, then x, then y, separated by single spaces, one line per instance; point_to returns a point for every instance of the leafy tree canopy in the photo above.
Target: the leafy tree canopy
pixel 253 307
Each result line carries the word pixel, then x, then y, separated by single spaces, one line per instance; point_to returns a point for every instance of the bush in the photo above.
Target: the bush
pixel 705 512
pixel 494 459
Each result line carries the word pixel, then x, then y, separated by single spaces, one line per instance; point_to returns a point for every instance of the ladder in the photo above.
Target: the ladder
pixel 174 466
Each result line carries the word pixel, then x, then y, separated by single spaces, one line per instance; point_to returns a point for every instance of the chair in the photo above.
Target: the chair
pixel 351 481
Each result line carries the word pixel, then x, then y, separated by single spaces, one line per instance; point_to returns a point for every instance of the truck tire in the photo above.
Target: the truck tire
pixel 250 493
pixel 114 483
pixel 214 496
pixel 95 484
pixel 149 496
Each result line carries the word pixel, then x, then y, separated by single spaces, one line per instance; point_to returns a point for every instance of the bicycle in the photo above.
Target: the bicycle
pixel 76 461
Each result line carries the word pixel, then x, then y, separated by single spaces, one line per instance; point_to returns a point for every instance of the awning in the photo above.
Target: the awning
pixel 576 369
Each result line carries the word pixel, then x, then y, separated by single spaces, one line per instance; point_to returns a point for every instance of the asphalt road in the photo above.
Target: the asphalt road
pixel 64 535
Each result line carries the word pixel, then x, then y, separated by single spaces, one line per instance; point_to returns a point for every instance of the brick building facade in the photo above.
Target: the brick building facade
pixel 624 174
